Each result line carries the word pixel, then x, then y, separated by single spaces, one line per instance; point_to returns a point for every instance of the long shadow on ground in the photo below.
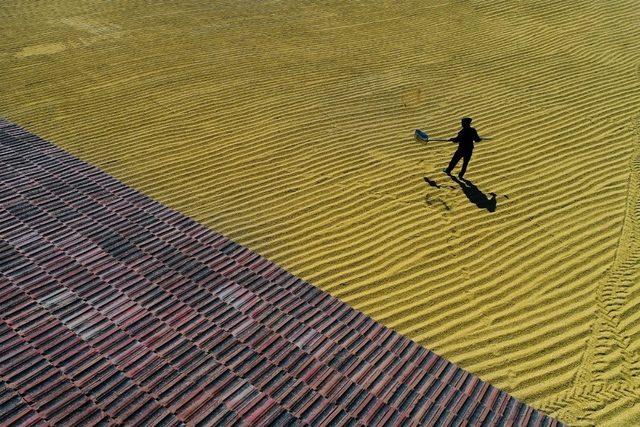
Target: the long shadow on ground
pixel 472 192
pixel 476 196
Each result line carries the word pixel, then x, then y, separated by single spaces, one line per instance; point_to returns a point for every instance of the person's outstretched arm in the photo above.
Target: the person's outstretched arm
pixel 476 137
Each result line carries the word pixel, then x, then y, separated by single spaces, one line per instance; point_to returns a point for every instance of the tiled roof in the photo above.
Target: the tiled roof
pixel 117 309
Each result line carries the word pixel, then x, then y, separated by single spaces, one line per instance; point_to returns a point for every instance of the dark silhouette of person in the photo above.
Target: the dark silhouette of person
pixel 465 139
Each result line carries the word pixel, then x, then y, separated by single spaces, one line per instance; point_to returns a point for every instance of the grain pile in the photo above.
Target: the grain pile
pixel 288 127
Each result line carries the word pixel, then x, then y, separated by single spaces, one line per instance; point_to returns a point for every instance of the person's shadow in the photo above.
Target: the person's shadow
pixel 476 196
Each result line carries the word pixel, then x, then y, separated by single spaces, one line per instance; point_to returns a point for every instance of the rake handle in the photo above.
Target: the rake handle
pixel 440 139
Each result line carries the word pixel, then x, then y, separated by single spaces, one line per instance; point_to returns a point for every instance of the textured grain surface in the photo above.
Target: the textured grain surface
pixel 116 309
pixel 287 126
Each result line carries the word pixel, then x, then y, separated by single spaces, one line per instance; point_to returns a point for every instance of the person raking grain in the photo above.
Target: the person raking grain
pixel 465 139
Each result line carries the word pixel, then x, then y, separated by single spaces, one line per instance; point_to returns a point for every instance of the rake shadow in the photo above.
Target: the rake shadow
pixel 431 182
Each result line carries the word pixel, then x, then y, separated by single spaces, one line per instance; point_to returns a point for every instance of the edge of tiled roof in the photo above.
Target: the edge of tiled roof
pixel 118 309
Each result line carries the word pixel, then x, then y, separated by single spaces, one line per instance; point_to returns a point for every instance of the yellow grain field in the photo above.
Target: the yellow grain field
pixel 288 125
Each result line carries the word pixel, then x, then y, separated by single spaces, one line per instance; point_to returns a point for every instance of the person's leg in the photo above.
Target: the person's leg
pixel 454 161
pixel 466 157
